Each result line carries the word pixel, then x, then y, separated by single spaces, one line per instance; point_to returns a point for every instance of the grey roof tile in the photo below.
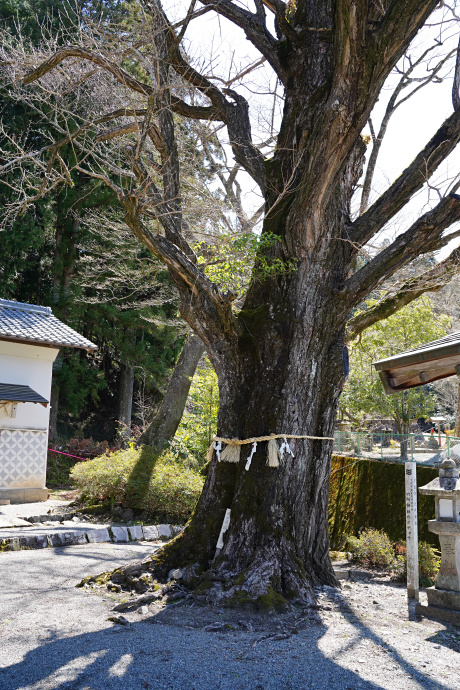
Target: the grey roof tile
pixel 20 393
pixel 24 322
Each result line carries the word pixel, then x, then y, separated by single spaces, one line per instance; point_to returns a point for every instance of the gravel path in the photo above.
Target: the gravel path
pixel 55 636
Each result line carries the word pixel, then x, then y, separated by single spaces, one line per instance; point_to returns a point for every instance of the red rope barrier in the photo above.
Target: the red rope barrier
pixel 68 454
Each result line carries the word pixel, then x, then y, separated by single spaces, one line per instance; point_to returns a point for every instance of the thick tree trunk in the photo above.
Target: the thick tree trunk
pixel 63 269
pixel 281 371
pixel 280 360
pixel 283 375
pixel 65 256
pixel 169 415
pixel 125 403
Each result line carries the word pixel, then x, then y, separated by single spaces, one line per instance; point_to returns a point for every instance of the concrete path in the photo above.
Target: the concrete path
pixel 56 637
pixel 23 510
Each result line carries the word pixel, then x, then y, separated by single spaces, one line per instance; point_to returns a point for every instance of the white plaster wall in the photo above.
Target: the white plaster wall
pixel 23 453
pixel 27 365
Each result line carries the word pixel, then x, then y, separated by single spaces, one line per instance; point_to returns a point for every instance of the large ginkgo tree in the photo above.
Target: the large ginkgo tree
pixel 279 351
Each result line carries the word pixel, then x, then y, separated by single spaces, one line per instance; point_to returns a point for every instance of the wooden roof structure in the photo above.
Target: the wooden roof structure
pixel 430 362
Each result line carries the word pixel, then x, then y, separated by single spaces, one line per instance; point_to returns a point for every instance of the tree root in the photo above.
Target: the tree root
pixel 268 584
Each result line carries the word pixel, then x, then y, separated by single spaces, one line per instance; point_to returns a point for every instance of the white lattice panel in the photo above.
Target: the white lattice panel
pixel 22 458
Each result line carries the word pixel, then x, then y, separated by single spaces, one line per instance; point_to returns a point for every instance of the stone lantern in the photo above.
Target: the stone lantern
pixel 444 597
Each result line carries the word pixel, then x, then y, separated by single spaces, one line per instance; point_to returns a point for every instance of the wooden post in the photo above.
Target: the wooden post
pixel 457 418
pixel 411 530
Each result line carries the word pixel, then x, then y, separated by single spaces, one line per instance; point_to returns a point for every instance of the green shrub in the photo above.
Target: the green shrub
pixel 429 561
pixel 136 478
pixel 58 468
pixel 372 548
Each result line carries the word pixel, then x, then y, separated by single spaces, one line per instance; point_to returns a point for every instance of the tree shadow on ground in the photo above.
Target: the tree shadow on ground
pixel 138 482
pixel 157 653
pixel 448 639
pixel 365 633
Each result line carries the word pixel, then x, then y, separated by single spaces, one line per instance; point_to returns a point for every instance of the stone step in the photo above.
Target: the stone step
pixel 13 521
pixel 68 533
pixel 341 573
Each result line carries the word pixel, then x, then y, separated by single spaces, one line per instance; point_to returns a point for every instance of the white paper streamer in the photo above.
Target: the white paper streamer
pixel 224 528
pixel 218 448
pixel 285 447
pixel 248 462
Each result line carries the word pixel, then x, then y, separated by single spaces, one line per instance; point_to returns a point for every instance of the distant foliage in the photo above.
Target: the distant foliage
pixel 410 327
pixel 135 478
pixel 199 422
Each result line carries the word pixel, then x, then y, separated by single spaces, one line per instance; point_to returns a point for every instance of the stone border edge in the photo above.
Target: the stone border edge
pixel 114 533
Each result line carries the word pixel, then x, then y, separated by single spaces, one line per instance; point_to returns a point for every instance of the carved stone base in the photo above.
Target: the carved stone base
pixel 445 598
pixel 28 495
pixel 443 605
pixel 438 614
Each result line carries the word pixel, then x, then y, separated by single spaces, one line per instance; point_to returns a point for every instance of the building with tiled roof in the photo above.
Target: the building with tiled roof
pixel 30 339
pixel 27 323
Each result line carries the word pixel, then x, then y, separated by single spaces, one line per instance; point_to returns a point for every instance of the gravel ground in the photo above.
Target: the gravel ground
pixel 55 636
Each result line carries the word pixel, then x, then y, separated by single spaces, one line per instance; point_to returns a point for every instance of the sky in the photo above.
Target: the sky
pixel 220 49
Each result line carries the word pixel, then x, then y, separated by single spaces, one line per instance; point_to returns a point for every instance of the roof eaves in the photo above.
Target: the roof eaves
pixel 427 355
pixel 45 343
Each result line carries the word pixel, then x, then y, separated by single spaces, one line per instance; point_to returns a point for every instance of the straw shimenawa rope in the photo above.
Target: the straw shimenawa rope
pixel 259 439
pixel 231 452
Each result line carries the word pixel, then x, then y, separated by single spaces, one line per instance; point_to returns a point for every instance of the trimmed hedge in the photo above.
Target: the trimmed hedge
pixel 372 494
pixel 138 478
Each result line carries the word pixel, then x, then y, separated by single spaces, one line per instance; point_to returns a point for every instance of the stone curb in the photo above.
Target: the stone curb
pixel 92 534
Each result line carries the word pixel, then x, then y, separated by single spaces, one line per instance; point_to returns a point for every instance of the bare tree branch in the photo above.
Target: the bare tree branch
pixel 234 114
pixel 421 237
pixel 429 281
pixel 398 26
pixel 391 108
pixel 254 28
pixel 410 181
pixel 456 83
pixel 122 77
pixel 239 131
pixel 76 51
pixel 198 294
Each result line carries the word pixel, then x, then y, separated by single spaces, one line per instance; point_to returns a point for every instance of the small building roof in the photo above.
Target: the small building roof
pixel 429 362
pixel 28 323
pixel 12 392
